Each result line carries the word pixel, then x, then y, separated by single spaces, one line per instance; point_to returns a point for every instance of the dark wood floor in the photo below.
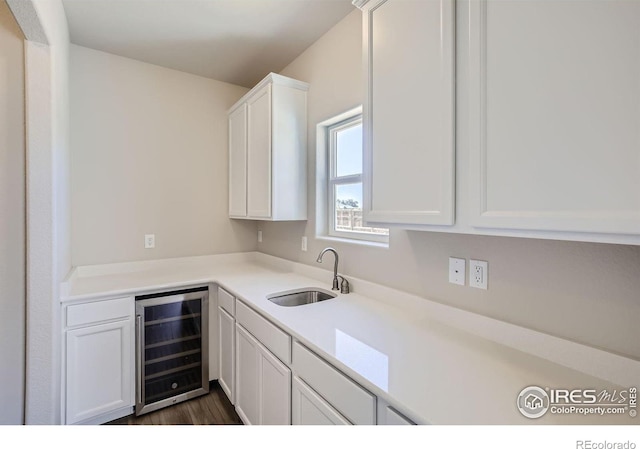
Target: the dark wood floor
pixel 213 408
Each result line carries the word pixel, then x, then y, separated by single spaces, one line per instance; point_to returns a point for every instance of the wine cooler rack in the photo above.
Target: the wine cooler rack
pixel 171 347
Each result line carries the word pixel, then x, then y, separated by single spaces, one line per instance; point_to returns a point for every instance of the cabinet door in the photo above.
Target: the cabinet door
pixel 226 329
pixel 389 416
pixel 274 390
pixel 238 162
pixel 308 408
pixel 553 103
pixel 394 418
pixel 99 370
pixel 350 399
pixel 259 154
pixel 247 371
pixel 409 112
pixel 263 383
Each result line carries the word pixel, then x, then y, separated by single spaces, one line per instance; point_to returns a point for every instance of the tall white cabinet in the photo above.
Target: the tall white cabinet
pixel 409 51
pixel 268 151
pixel 554 115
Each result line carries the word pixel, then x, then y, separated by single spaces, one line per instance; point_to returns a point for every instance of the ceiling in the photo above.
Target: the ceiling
pixel 237 41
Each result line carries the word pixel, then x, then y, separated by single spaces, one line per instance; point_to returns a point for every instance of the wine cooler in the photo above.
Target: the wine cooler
pixel 172 348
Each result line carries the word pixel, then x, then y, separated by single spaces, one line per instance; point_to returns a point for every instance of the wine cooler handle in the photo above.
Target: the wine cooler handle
pixel 139 357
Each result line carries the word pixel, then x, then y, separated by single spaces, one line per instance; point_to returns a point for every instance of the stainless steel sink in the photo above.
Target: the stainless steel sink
pixel 300 297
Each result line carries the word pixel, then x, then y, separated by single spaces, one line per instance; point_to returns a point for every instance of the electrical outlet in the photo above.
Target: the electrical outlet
pixel 259 236
pixel 149 241
pixel 457 270
pixel 478 273
pixel 304 244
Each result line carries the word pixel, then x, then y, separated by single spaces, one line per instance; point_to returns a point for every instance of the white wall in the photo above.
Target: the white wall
pixel 48 230
pixel 149 156
pixel 59 39
pixel 12 220
pixel 585 292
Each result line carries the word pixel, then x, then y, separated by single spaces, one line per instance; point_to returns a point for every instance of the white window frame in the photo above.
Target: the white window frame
pixel 332 128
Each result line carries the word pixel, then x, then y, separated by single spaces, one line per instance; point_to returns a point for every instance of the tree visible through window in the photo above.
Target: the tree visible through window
pixel 345 183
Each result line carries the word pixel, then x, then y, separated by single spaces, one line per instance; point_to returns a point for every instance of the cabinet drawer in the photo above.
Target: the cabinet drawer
pixel 226 301
pixel 95 312
pixel 268 334
pixel 351 400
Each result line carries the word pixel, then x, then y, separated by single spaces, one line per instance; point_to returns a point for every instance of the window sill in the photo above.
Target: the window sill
pixel 368 243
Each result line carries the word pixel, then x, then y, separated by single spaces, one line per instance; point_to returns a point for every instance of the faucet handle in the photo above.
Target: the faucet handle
pixel 344 285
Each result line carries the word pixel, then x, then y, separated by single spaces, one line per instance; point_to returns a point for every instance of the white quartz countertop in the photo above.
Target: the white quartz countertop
pixel 422 358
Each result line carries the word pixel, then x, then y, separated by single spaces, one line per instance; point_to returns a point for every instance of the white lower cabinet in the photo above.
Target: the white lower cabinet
pixel 256 359
pixel 99 365
pixel 275 390
pixel 226 330
pixel 247 376
pixel 348 398
pixel 309 408
pixel 263 383
pixel 389 416
pixel 393 418
pixel 226 343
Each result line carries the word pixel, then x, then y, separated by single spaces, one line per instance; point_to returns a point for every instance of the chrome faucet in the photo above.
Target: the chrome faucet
pixel 344 285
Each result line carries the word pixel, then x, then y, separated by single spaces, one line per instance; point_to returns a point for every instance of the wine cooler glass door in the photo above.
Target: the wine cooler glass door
pixel 172 349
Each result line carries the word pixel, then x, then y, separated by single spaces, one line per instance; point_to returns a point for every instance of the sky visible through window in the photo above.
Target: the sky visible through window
pixel 346 210
pixel 349 162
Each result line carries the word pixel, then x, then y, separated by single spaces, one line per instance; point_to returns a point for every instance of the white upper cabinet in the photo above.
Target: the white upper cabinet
pixel 554 115
pixel 238 162
pixel 546 124
pixel 259 154
pixel 409 52
pixel 268 151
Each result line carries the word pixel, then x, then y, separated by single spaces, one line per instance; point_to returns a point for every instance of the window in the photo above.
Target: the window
pixel 345 189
